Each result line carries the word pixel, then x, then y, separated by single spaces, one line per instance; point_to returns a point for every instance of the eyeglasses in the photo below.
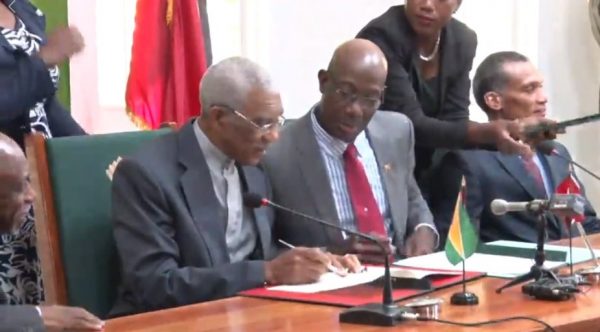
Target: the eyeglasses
pixel 349 97
pixel 264 128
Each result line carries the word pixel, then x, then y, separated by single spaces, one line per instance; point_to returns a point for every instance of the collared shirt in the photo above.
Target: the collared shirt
pixel 545 175
pixel 332 150
pixel 240 234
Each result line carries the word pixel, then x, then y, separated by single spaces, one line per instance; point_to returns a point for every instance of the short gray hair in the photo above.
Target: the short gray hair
pixel 229 81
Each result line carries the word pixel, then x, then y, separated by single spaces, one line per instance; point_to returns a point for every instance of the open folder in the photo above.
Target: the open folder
pixel 365 287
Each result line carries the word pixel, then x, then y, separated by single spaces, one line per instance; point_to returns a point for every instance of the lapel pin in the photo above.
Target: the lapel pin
pixel 387 167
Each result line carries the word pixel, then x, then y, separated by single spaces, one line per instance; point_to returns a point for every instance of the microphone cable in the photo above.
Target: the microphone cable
pixel 417 317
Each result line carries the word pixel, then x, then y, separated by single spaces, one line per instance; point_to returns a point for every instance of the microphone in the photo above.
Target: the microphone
pixel 534 131
pixel 500 207
pixel 386 313
pixel 547 148
pixel 562 205
pixel 254 200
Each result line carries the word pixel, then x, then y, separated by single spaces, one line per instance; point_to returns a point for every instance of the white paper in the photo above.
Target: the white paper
pixel 493 265
pixel 331 281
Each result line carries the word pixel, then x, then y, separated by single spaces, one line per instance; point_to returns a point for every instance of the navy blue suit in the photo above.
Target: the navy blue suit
pixel 24 81
pixel 490 175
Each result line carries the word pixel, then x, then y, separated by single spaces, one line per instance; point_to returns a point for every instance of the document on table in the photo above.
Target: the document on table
pixel 332 281
pixel 494 265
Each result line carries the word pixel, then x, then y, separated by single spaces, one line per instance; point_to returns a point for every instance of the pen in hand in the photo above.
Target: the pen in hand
pixel 330 267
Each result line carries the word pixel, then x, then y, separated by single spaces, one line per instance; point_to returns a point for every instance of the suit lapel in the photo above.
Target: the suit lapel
pixel 254 184
pixel 314 173
pixel 515 167
pixel 200 196
pixel 384 149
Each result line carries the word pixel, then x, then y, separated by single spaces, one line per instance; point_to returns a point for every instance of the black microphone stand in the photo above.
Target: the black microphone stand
pixel 537 272
pixel 386 313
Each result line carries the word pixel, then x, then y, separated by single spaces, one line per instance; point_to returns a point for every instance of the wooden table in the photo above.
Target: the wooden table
pixel 242 314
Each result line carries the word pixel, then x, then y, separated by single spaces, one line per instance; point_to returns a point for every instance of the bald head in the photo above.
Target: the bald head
pixel 359 55
pixel 10 152
pixel 16 195
pixel 351 88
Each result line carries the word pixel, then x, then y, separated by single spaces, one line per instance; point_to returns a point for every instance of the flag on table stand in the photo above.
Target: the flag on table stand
pixel 168 59
pixel 461 244
pixel 570 185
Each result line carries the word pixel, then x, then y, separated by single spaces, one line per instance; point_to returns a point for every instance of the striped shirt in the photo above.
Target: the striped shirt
pixel 332 150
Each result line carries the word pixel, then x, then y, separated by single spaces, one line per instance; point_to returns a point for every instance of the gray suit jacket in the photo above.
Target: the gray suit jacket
pixel 169 233
pixel 20 318
pixel 300 180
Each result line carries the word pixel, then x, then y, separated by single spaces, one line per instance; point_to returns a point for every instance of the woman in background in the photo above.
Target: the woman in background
pixel 28 82
pixel 429 56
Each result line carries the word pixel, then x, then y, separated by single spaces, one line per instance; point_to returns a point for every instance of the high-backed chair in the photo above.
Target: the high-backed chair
pixel 72 215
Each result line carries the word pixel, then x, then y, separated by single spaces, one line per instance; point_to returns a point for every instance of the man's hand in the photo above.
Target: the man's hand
pixel 347 262
pixel 535 129
pixel 60 318
pixel 420 242
pixel 366 251
pixel 62 44
pixel 297 266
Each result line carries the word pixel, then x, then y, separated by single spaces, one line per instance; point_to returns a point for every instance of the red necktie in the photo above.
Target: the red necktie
pixel 534 171
pixel 367 214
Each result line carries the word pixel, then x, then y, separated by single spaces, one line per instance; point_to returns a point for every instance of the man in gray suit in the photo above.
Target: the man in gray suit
pixel 351 165
pixel 16 199
pixel 181 229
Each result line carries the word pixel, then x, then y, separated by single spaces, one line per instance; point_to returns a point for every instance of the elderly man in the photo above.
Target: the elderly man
pixel 506 86
pixel 16 199
pixel 182 231
pixel 350 164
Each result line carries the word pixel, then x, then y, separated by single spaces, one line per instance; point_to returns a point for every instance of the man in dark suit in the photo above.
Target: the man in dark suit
pixel 506 86
pixel 16 199
pixel 181 228
pixel 311 169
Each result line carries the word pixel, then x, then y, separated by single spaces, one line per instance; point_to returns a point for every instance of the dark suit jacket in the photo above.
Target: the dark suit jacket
pixel 24 81
pixel 490 175
pixel 300 180
pixel 169 233
pixel 396 38
pixel 20 318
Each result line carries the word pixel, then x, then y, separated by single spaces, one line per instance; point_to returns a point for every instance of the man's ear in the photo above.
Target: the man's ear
pixel 215 115
pixel 493 100
pixel 323 79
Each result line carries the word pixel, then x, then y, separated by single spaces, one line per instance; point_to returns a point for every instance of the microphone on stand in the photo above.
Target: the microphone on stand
pixel 386 313
pixel 547 148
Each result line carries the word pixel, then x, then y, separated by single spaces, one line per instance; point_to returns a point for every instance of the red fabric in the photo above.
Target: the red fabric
pixel 368 217
pixel 167 63
pixel 361 294
pixel 570 186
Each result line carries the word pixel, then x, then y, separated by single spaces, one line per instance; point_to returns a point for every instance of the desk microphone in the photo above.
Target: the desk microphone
pixel 547 148
pixel 562 205
pixel 386 313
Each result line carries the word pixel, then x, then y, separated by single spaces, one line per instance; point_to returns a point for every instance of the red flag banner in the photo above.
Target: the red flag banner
pixel 570 186
pixel 168 60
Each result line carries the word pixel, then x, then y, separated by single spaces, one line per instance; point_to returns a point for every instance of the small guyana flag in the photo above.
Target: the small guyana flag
pixel 462 238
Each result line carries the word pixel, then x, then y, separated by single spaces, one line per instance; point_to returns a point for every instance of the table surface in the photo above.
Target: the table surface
pixel 243 314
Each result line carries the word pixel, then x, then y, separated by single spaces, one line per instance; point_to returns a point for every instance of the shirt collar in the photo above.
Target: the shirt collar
pixel 327 143
pixel 215 158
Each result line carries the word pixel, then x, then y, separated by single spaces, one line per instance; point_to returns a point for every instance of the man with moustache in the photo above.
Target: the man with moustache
pixel 352 165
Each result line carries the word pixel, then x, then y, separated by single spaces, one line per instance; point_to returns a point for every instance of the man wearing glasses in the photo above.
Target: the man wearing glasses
pixel 351 165
pixel 182 232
